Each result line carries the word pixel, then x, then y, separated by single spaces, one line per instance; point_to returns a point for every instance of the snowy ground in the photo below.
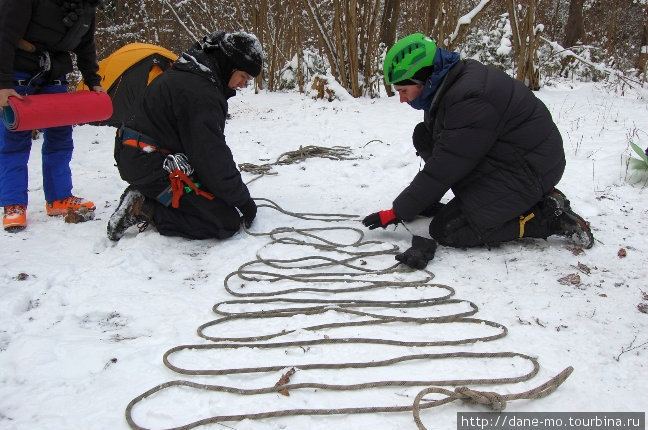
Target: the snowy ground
pixel 85 322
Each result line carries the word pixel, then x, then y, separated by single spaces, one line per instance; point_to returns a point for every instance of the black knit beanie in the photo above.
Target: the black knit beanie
pixel 244 51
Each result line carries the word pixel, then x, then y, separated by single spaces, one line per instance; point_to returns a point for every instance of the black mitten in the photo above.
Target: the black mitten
pixel 249 211
pixel 422 140
pixel 421 252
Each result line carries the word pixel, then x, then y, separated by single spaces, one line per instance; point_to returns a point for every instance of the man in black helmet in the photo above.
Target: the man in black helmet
pixel 172 149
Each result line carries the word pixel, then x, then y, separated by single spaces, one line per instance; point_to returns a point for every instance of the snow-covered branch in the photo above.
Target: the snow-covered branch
pixel 465 21
pixel 568 53
pixel 180 21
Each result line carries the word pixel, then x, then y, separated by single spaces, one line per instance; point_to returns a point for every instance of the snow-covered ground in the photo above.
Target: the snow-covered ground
pixel 85 322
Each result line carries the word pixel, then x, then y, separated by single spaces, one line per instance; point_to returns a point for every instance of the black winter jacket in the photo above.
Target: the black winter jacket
pixel 184 111
pixel 40 22
pixel 493 143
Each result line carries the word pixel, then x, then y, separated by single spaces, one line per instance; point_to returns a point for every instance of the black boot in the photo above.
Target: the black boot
pixel 566 222
pixel 134 208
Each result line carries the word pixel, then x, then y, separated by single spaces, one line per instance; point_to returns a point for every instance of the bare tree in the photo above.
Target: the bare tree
pixel 574 30
pixel 348 35
pixel 464 23
pixel 389 21
pixel 643 53
pixel 447 21
pixel 388 26
pixel 257 23
pixel 526 36
pixel 352 35
pixel 553 15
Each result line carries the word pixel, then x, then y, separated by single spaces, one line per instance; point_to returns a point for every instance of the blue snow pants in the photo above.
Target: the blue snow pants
pixel 56 151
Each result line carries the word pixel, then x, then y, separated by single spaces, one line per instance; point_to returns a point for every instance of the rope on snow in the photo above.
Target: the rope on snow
pixel 347 273
pixel 299 155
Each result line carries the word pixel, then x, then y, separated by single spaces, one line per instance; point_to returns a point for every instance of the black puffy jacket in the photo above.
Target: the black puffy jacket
pixel 40 22
pixel 493 143
pixel 184 111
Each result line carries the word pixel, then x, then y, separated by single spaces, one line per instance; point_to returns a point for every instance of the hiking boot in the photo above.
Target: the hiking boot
pixel 555 202
pixel 133 209
pixel 568 223
pixel 15 218
pixel 61 207
pixel 575 227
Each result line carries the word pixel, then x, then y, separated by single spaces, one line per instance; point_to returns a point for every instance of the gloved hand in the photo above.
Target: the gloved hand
pixel 421 252
pixel 422 140
pixel 249 211
pixel 380 219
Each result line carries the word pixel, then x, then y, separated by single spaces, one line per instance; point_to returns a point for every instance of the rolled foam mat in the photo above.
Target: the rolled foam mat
pixel 53 110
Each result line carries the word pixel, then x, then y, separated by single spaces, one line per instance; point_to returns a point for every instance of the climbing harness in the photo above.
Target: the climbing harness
pixel 135 139
pixel 179 182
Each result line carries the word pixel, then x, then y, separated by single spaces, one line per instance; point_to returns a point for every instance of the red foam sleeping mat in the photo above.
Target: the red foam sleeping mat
pixel 53 110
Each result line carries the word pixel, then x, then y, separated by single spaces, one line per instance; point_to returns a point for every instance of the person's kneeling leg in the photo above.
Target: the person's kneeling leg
pixel 198 218
pixel 450 227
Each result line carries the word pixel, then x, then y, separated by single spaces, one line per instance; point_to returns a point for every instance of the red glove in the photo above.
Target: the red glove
pixel 380 219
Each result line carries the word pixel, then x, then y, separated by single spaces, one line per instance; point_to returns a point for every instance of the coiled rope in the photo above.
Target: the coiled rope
pixel 264 297
pixel 297 156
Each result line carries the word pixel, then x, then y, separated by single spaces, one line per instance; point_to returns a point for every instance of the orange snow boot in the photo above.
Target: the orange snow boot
pixel 72 203
pixel 15 218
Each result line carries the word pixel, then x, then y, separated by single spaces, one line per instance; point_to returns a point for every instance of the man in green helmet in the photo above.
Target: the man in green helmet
pixel 486 137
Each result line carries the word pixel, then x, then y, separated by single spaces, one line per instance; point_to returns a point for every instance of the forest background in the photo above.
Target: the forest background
pixel 309 42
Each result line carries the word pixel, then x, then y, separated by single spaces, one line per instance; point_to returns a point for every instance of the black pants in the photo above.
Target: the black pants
pixel 196 217
pixel 450 227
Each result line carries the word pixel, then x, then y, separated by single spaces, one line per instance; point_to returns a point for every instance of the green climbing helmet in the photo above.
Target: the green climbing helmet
pixel 408 56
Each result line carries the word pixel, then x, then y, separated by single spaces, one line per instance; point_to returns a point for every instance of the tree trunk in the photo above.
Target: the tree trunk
pixel 574 30
pixel 369 48
pixel 526 35
pixel 339 46
pixel 297 45
pixel 463 26
pixel 643 54
pixel 388 25
pixel 352 45
pixel 326 44
pixel 612 28
pixel 260 28
pixel 432 17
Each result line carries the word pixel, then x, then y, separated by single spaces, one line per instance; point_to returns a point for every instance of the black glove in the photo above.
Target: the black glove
pixel 421 252
pixel 380 219
pixel 422 140
pixel 249 211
